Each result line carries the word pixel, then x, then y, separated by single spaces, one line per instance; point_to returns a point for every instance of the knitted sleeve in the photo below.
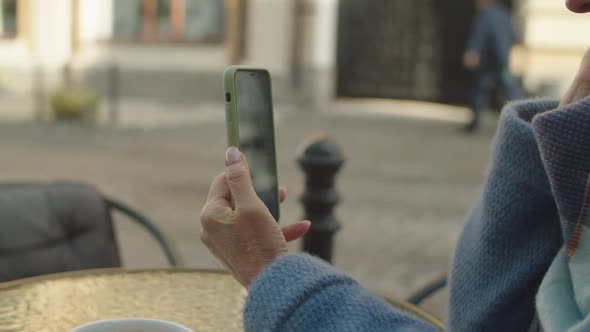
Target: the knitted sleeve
pixel 511 235
pixel 301 293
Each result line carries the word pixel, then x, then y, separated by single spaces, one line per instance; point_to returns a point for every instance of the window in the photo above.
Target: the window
pixel 8 25
pixel 168 20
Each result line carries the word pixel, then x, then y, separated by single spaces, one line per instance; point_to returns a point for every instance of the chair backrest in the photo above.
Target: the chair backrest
pixel 57 227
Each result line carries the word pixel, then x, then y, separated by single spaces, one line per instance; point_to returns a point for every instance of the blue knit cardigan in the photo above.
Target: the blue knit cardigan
pixel 532 204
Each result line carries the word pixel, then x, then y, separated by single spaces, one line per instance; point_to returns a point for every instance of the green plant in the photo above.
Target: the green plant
pixel 74 102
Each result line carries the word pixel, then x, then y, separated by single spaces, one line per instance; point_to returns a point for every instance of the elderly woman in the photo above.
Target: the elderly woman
pixel 522 262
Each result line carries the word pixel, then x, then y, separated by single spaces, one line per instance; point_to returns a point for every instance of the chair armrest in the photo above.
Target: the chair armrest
pixel 114 205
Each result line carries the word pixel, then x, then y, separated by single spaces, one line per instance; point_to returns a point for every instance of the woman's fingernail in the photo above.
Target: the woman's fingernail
pixel 232 156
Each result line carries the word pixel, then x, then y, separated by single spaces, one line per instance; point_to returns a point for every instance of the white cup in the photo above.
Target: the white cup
pixel 132 325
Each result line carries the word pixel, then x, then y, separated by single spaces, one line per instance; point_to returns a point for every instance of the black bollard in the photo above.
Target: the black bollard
pixel 321 159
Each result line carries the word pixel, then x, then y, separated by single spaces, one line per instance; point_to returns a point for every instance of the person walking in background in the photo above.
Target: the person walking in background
pixel 488 54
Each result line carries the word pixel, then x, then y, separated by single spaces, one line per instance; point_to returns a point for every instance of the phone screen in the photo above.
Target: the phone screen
pixel 256 133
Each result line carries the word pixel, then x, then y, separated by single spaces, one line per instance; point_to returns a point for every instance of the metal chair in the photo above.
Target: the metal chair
pixel 62 226
pixel 116 206
pixel 411 304
pixel 428 290
pixel 416 311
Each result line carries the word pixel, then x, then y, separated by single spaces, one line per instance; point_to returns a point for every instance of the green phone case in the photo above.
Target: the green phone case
pixel 231 111
pixel 231 107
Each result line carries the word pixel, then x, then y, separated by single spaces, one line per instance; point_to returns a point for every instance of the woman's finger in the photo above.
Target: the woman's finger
pixel 296 230
pixel 282 194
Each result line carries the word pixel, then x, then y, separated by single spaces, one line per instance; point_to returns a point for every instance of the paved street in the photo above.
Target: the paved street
pixel 406 186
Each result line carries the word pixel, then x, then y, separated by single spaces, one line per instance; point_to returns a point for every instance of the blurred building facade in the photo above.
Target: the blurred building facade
pixel 175 50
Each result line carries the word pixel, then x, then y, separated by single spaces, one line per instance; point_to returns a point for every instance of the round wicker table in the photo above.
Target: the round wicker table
pixel 202 300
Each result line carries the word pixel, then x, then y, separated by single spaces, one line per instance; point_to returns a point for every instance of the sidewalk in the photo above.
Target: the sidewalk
pixel 143 114
pixel 406 187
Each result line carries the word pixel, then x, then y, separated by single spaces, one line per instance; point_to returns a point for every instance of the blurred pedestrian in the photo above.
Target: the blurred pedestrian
pixel 488 54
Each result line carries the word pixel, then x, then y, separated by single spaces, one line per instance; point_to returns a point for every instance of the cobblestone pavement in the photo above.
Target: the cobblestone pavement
pixel 405 188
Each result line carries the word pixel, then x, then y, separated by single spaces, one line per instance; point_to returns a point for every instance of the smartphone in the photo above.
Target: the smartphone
pixel 250 128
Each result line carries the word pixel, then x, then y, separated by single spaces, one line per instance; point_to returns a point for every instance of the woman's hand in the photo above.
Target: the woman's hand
pixel 580 88
pixel 244 235
pixel 471 59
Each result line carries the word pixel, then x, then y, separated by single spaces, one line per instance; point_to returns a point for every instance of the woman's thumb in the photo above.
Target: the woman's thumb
pixel 238 177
